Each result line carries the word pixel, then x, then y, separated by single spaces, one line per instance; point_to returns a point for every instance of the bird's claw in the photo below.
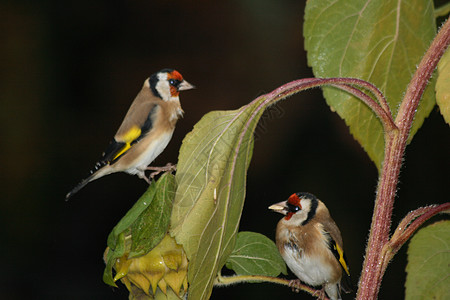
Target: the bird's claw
pixel 169 167
pixel 293 284
pixel 319 294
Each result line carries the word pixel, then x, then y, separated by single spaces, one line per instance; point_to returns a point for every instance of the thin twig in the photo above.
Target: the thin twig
pixel 294 284
pixel 346 84
pixel 385 117
pixel 426 213
pixel 374 90
pixel 406 229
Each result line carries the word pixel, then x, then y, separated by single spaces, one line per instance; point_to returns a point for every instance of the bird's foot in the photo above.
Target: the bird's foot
pixel 320 294
pixel 149 181
pixel 168 167
pixel 293 284
pixel 143 176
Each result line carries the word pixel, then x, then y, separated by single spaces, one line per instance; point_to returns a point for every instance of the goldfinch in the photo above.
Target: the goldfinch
pixel 311 244
pixel 145 131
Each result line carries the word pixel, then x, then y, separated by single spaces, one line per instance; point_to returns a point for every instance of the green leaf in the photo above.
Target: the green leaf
pixel 255 254
pixel 378 41
pixel 211 176
pixel 111 257
pixel 151 226
pixel 428 263
pixel 131 216
pixel 146 223
pixel 442 11
pixel 443 86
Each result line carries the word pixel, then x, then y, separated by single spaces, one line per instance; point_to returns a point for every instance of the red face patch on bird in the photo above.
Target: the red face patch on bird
pixel 288 216
pixel 294 199
pixel 174 79
pixel 293 205
pixel 175 75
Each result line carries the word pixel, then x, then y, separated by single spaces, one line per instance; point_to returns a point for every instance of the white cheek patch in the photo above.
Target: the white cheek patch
pixel 163 89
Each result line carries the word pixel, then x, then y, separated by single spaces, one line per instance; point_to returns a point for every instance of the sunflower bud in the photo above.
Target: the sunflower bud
pixel 165 266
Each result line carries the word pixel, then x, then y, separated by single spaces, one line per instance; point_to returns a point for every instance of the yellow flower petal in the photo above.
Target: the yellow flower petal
pixel 172 259
pixel 163 286
pixel 165 265
pixel 175 280
pixel 140 281
pixel 122 266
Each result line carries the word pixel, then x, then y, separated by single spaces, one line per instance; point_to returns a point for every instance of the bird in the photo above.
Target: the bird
pixel 145 131
pixel 310 243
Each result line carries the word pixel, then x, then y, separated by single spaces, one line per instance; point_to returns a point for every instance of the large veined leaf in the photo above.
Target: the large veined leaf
pixel 428 263
pixel 211 175
pixel 378 41
pixel 443 86
pixel 255 254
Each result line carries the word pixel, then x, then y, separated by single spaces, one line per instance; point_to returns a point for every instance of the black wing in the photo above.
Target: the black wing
pixel 346 283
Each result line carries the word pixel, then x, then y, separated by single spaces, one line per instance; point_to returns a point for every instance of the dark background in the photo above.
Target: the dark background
pixel 69 71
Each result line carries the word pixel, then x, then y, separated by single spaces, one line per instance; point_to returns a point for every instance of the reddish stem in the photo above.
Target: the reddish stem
pixel 375 91
pixel 407 227
pixel 349 85
pixel 413 221
pixel 395 145
pixel 385 116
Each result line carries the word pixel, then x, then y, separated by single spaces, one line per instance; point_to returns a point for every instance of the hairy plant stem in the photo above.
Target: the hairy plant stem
pixel 296 285
pixel 352 86
pixel 395 144
pixel 407 227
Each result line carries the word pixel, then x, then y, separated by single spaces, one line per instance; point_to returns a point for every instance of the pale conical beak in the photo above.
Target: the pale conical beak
pixel 184 85
pixel 279 207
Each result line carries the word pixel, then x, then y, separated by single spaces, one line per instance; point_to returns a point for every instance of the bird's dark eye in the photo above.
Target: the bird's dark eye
pixel 174 82
pixel 292 208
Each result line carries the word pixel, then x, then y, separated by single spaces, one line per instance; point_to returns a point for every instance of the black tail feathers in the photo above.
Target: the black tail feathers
pixel 93 174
